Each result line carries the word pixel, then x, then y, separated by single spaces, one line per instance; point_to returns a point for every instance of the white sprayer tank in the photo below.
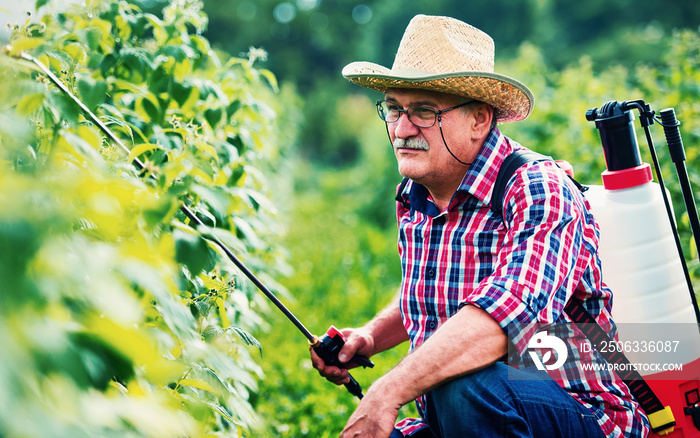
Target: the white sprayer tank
pixel 641 264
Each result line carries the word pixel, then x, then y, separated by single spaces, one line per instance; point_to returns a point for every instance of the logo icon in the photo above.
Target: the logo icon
pixel 542 340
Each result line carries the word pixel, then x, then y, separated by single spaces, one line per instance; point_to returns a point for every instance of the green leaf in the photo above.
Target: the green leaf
pixel 179 52
pixel 101 361
pixel 30 103
pixel 81 149
pixel 107 64
pixel 271 79
pixel 137 60
pixel 66 182
pixel 94 37
pixel 160 211
pixel 215 197
pixel 233 107
pixel 92 92
pixel 75 51
pixel 259 200
pixel 151 109
pixel 19 242
pixel 213 116
pixel 158 81
pixel 191 100
pixel 245 231
pixel 180 92
pixel 193 251
pixel 223 412
pixel 212 332
pixel 237 142
pixel 26 43
pixel 198 383
pixel 246 337
pixel 141 149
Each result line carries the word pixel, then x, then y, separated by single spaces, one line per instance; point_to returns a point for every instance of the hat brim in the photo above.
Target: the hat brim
pixel 512 100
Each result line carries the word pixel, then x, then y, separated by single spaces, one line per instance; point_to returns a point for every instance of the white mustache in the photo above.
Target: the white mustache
pixel 411 143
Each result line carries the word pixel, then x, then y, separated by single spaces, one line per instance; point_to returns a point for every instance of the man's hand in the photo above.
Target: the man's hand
pixel 481 342
pixel 384 331
pixel 357 341
pixel 375 415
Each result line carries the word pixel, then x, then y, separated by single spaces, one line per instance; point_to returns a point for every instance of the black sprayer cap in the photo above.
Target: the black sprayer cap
pixel 617 134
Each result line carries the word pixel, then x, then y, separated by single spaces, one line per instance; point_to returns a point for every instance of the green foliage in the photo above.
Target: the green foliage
pixel 117 318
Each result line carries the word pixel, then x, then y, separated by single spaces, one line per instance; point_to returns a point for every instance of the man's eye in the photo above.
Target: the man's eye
pixel 392 108
pixel 422 112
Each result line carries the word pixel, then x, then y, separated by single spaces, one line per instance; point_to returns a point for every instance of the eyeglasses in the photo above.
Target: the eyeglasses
pixel 421 116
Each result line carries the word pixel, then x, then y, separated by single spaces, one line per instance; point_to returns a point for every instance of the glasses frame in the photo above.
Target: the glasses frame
pixel 437 118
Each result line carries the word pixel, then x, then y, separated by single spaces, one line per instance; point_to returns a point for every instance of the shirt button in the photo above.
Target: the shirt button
pixel 432 324
pixel 431 272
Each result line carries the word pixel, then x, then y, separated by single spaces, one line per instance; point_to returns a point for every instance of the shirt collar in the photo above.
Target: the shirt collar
pixel 478 181
pixel 481 176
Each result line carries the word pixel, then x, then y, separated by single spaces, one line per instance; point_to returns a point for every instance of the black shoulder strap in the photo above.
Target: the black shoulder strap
pixel 512 163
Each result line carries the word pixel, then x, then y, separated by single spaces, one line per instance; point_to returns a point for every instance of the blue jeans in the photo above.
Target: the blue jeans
pixel 500 401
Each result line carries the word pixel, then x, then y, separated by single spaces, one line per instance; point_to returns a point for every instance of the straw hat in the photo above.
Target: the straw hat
pixel 446 55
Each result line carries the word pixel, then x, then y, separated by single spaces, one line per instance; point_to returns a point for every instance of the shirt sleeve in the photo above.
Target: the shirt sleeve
pixel 543 255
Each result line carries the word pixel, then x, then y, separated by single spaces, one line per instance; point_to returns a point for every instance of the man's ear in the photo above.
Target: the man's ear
pixel 481 123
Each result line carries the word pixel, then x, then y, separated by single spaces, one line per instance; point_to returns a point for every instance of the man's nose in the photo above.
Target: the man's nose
pixel 403 128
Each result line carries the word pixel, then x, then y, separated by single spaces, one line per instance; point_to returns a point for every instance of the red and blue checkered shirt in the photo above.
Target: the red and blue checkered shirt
pixel 521 269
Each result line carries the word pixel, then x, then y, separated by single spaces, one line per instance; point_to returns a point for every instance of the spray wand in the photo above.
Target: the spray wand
pixel 326 347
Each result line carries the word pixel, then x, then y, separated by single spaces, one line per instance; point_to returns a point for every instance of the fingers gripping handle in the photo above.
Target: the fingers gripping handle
pixel 328 347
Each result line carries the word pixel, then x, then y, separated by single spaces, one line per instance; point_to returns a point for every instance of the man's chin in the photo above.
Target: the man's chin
pixel 411 172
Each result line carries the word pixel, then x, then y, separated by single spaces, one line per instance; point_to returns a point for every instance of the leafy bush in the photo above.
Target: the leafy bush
pixel 117 318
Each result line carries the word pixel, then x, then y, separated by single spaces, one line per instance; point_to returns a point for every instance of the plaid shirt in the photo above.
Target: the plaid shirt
pixel 522 274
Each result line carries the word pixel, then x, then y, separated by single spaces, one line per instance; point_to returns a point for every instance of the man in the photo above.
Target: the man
pixel 475 282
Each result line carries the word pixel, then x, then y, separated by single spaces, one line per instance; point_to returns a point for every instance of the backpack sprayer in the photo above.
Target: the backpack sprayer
pixel 327 347
pixel 648 276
